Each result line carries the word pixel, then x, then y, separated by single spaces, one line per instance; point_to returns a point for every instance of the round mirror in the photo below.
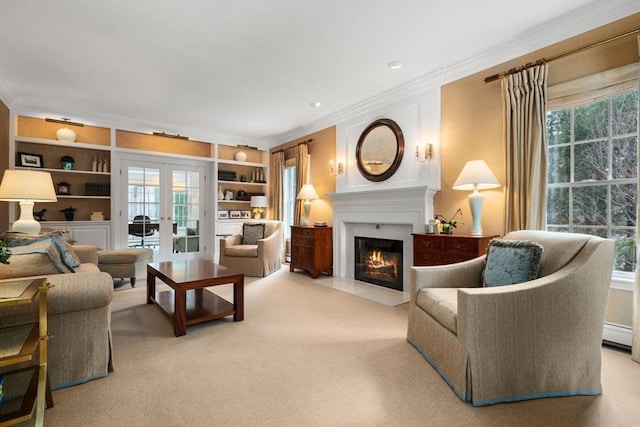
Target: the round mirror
pixel 379 150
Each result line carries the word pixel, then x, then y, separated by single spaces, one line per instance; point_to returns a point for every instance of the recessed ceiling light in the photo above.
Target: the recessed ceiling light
pixel 315 104
pixel 394 65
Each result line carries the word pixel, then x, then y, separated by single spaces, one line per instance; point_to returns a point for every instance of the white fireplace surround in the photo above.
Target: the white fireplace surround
pixel 383 214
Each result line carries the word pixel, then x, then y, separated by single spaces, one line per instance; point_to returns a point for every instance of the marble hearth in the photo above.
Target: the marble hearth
pixel 383 214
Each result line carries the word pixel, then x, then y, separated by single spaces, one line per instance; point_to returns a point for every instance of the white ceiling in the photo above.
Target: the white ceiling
pixel 241 68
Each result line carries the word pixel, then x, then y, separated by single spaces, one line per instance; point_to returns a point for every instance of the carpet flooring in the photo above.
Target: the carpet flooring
pixel 305 355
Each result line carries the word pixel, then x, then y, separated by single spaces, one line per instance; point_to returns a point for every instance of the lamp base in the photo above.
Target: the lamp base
pixel 26 224
pixel 476 201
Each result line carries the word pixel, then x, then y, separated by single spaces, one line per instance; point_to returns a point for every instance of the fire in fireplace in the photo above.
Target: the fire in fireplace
pixel 379 261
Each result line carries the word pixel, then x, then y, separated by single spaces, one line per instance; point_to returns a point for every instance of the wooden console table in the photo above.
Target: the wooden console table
pixel 438 249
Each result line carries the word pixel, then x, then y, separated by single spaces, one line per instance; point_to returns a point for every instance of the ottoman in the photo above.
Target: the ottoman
pixel 129 262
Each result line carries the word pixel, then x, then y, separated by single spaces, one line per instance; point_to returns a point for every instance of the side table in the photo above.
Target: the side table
pixel 312 250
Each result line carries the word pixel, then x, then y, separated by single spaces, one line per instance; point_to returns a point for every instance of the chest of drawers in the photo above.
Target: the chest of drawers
pixel 312 250
pixel 438 249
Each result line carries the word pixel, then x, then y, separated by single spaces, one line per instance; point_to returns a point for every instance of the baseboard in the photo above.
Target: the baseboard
pixel 617 334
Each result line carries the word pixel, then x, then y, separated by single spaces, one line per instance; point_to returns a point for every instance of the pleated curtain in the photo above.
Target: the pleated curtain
pixel 277 187
pixel 302 172
pixel 524 101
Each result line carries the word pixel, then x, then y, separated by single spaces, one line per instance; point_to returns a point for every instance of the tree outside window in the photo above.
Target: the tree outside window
pixel 592 172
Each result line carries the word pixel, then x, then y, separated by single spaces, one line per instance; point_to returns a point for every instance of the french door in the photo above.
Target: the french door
pixel 164 208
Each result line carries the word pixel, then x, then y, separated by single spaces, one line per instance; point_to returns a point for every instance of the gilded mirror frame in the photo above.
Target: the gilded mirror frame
pixel 380 149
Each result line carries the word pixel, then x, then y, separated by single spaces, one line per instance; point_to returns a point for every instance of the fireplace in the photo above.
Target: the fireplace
pixel 379 261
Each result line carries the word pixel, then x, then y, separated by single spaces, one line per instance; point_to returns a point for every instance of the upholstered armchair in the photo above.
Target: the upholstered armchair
pixel 251 255
pixel 539 338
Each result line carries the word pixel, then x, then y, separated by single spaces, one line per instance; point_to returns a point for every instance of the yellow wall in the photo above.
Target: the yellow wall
pixel 4 160
pixel 471 124
pixel 322 149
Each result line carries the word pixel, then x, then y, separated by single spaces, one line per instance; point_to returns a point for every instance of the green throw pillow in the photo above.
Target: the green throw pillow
pixel 251 233
pixel 511 261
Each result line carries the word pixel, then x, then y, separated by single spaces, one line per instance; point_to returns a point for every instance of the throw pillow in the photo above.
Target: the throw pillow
pixel 251 233
pixel 511 261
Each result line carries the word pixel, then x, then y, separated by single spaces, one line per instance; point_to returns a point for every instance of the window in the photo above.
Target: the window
pixel 592 171
pixel 289 184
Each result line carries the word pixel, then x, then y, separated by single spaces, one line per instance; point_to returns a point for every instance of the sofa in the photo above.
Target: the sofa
pixel 538 338
pixel 79 312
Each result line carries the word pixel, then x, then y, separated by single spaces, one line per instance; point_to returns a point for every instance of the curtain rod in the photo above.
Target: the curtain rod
pixel 293 146
pixel 561 55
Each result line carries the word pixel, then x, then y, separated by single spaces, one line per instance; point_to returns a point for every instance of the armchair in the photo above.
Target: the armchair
pixel 257 260
pixel 540 338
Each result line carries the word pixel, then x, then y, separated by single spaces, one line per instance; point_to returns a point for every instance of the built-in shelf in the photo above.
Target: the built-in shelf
pixel 57 143
pixel 69 171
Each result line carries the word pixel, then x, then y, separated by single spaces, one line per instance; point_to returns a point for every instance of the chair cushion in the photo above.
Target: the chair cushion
pixel 251 233
pixel 125 256
pixel 511 261
pixel 246 251
pixel 442 305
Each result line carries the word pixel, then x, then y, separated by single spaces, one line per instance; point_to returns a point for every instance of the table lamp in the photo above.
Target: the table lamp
pixel 475 176
pixel 27 187
pixel 258 203
pixel 307 193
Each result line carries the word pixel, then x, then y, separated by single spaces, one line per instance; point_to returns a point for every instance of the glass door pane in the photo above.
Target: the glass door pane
pixel 143 207
pixel 186 210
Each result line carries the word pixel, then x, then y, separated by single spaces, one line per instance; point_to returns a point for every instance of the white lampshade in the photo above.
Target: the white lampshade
pixel 259 202
pixel 475 176
pixel 307 192
pixel 27 187
pixel 476 172
pixel 18 185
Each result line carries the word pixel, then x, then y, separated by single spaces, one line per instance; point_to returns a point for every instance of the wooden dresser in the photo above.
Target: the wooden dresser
pixel 438 249
pixel 312 250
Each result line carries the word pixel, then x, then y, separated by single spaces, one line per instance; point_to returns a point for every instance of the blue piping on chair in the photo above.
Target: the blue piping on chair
pixel 76 382
pixel 538 396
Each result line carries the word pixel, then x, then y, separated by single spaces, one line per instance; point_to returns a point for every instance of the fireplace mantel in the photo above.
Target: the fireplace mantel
pixel 387 214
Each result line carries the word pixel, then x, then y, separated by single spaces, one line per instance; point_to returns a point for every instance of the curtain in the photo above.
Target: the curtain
pixel 302 178
pixel 277 187
pixel 635 329
pixel 524 100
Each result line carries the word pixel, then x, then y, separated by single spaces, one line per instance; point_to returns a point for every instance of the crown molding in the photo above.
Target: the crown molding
pixel 589 17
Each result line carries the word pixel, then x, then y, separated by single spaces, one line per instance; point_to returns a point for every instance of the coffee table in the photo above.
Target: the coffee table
pixel 187 303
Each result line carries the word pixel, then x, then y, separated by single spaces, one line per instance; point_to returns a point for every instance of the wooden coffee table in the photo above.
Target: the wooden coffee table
pixel 196 306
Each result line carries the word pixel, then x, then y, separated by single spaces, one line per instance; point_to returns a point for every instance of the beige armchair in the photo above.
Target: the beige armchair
pixel 257 260
pixel 536 339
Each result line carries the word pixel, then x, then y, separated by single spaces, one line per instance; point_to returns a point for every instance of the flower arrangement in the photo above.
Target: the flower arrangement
pixel 68 159
pixel 70 209
pixel 448 224
pixel 5 253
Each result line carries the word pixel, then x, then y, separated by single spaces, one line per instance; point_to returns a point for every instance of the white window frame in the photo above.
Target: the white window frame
pixel 584 91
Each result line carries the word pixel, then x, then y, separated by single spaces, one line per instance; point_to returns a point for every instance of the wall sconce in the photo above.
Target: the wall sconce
pixel 336 171
pixel 424 153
